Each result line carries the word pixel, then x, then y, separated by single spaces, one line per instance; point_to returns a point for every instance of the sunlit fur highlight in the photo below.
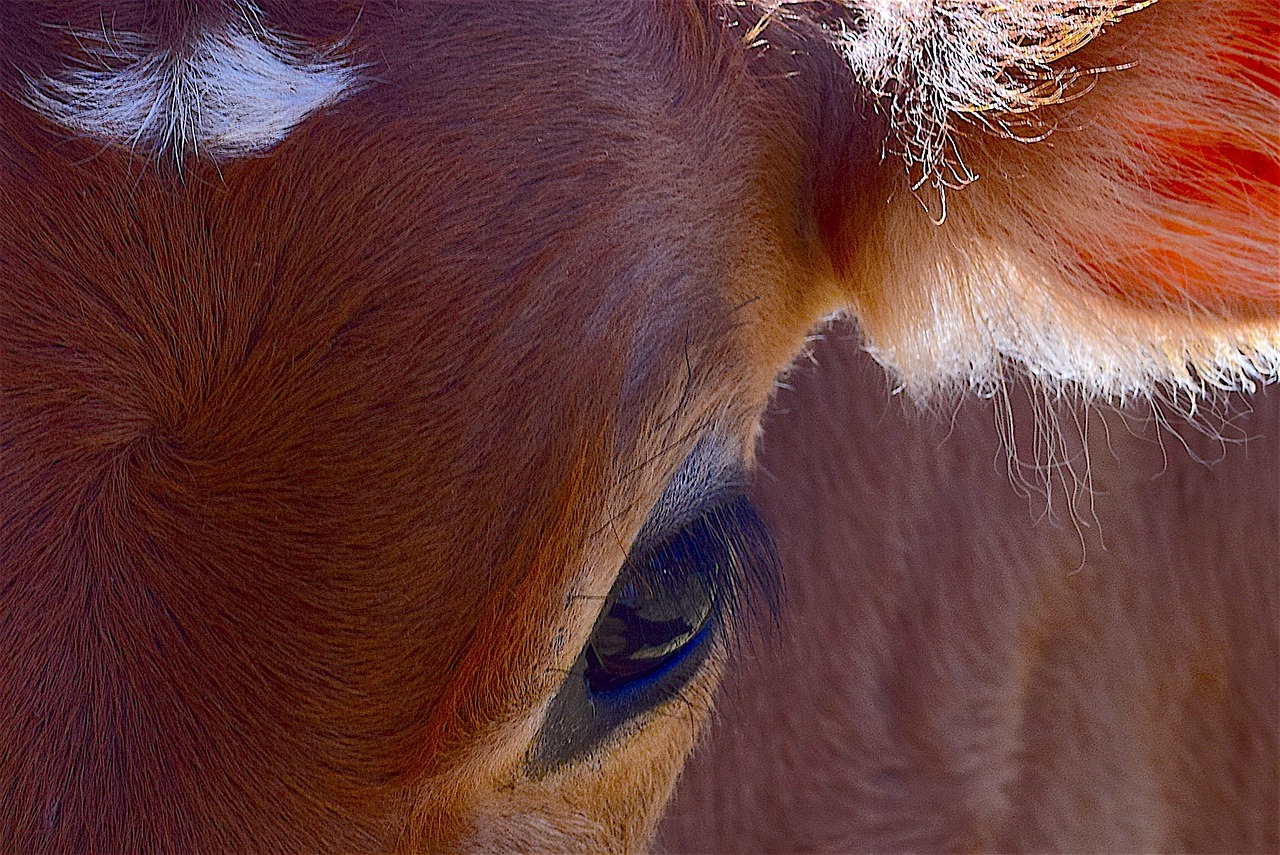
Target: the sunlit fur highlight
pixel 936 61
pixel 1133 248
pixel 315 468
pixel 236 91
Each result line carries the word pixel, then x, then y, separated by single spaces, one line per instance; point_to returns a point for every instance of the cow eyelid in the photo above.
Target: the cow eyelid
pixel 723 564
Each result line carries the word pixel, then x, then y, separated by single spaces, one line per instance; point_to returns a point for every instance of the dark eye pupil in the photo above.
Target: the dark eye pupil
pixel 671 608
pixel 654 615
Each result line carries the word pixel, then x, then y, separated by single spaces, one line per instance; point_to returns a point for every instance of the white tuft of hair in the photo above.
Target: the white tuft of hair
pixel 233 92
pixel 932 62
pixel 1133 254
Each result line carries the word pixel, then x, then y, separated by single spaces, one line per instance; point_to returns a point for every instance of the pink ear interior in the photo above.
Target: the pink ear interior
pixel 1210 166
pixel 1131 240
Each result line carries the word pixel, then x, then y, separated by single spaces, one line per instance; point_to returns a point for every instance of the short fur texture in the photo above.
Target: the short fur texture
pixel 318 460
pixel 966 673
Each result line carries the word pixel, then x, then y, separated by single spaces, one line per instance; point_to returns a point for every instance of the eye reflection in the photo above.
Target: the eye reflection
pixel 655 613
pixel 677 599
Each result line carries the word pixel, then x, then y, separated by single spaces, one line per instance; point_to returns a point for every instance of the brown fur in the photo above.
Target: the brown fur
pixel 972 667
pixel 1139 236
pixel 314 466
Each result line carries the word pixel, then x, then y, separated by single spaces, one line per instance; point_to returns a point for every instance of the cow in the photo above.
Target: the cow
pixel 381 382
pixel 1077 658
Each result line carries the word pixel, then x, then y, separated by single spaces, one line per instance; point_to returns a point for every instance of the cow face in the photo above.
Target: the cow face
pixel 380 380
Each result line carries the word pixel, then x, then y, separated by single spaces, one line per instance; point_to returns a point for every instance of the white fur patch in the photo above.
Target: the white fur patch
pixel 971 333
pixel 230 93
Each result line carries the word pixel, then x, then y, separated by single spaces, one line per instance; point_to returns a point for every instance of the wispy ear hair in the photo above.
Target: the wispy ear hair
pixel 933 63
pixel 1118 230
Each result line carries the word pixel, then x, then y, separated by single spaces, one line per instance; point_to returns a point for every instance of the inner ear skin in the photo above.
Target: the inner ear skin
pixel 1123 253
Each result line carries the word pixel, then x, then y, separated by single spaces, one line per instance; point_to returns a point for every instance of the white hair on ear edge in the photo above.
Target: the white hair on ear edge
pixel 931 61
pixel 1135 250
pixel 232 92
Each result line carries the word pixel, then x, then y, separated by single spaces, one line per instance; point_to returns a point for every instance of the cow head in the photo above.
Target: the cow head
pixel 379 380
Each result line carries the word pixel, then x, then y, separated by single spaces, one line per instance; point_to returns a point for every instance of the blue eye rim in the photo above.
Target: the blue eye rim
pixel 735 558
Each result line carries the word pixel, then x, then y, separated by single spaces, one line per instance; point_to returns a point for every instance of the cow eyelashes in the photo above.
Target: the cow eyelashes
pixel 650 620
pixel 674 604
pixel 660 606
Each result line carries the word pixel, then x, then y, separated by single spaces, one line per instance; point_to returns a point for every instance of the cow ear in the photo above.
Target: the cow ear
pixel 1088 190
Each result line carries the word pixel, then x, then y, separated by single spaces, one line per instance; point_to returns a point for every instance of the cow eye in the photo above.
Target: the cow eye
pixel 659 608
pixel 674 604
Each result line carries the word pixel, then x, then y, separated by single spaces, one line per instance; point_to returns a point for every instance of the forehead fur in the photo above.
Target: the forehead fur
pixel 232 91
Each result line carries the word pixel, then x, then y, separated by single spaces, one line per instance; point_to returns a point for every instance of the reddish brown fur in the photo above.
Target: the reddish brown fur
pixel 964 671
pixel 255 421
pixel 312 466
